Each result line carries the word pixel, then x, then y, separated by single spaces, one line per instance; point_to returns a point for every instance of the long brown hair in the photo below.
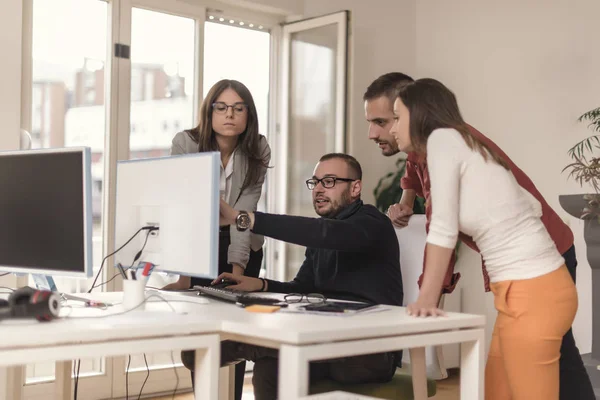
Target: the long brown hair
pixel 249 140
pixel 431 106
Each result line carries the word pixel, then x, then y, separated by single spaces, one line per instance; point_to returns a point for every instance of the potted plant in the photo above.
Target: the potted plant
pixel 585 169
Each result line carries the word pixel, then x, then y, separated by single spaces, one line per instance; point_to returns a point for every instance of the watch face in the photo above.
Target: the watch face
pixel 243 221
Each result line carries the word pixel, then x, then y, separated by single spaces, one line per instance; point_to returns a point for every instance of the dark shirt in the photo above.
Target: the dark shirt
pixel 353 256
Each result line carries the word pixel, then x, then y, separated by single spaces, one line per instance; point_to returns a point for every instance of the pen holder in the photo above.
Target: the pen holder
pixel 134 296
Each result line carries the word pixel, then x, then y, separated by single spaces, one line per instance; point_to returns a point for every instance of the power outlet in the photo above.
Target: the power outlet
pixel 150 241
pixel 153 234
pixel 153 244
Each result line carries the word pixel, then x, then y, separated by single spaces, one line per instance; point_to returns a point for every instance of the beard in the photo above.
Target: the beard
pixel 335 206
pixel 390 149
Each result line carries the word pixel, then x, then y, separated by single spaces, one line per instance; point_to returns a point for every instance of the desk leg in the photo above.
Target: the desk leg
pixel 293 373
pixel 62 382
pixel 472 367
pixel 419 372
pixel 207 370
pixel 226 382
pixel 4 395
pixel 11 383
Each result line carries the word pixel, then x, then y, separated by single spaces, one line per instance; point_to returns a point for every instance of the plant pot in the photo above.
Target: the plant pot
pixel 574 205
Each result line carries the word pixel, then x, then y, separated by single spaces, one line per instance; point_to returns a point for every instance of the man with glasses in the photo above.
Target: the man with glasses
pixel 352 253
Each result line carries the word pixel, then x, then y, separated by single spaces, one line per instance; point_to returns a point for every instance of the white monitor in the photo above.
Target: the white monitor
pixel 179 195
pixel 46 212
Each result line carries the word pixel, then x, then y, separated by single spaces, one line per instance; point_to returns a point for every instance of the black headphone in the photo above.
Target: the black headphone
pixel 27 302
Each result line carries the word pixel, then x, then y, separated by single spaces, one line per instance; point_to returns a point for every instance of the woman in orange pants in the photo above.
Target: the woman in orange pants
pixel 474 192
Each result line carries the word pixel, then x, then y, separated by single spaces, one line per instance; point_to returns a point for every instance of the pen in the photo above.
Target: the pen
pixel 133 275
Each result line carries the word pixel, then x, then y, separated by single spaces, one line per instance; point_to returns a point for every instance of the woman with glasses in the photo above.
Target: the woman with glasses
pixel 228 123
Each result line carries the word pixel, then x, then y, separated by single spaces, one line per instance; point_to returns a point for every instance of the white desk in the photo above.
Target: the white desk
pixel 300 338
pixel 156 329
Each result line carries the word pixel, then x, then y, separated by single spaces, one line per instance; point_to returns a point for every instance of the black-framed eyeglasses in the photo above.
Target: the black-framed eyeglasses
pixel 310 297
pixel 328 182
pixel 221 108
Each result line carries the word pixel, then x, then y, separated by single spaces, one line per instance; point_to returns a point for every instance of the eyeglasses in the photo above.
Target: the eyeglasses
pixel 310 297
pixel 221 108
pixel 328 182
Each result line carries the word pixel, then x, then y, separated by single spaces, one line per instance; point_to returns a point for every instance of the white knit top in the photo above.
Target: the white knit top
pixel 483 200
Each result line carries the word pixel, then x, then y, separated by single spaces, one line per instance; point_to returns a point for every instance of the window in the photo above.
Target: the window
pixel 165 59
pixel 239 52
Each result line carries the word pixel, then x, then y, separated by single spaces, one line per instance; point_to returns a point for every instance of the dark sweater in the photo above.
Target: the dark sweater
pixel 353 256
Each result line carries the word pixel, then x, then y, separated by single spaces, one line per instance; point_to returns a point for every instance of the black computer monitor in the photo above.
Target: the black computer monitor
pixel 45 212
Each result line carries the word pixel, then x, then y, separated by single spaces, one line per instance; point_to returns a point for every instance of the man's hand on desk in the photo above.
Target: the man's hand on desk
pixel 243 283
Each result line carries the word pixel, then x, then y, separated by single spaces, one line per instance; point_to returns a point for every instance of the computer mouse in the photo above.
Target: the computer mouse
pixel 224 283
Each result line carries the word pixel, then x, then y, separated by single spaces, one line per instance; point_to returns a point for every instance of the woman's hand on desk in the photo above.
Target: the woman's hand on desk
pixel 243 283
pixel 422 308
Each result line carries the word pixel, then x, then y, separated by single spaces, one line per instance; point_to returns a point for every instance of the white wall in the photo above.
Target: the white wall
pixel 10 73
pixel 523 72
pixel 382 39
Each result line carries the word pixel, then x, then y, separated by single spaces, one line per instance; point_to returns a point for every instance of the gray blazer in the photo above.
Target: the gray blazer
pixel 241 242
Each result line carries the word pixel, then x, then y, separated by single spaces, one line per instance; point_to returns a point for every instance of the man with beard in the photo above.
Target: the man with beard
pixel 352 253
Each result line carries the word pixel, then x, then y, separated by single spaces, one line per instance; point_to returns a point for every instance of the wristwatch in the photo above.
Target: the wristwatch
pixel 242 221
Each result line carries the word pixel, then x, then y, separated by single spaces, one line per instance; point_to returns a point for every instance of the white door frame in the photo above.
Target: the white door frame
pixel 280 200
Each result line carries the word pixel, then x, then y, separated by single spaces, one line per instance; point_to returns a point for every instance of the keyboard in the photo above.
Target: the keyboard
pixel 234 296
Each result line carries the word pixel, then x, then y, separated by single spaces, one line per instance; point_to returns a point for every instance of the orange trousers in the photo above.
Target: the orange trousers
pixel 533 316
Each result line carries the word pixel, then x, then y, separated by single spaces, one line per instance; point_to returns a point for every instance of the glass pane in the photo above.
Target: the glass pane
pixel 162 81
pixel 311 119
pixel 224 47
pixel 162 101
pixel 68 109
pixel 232 52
